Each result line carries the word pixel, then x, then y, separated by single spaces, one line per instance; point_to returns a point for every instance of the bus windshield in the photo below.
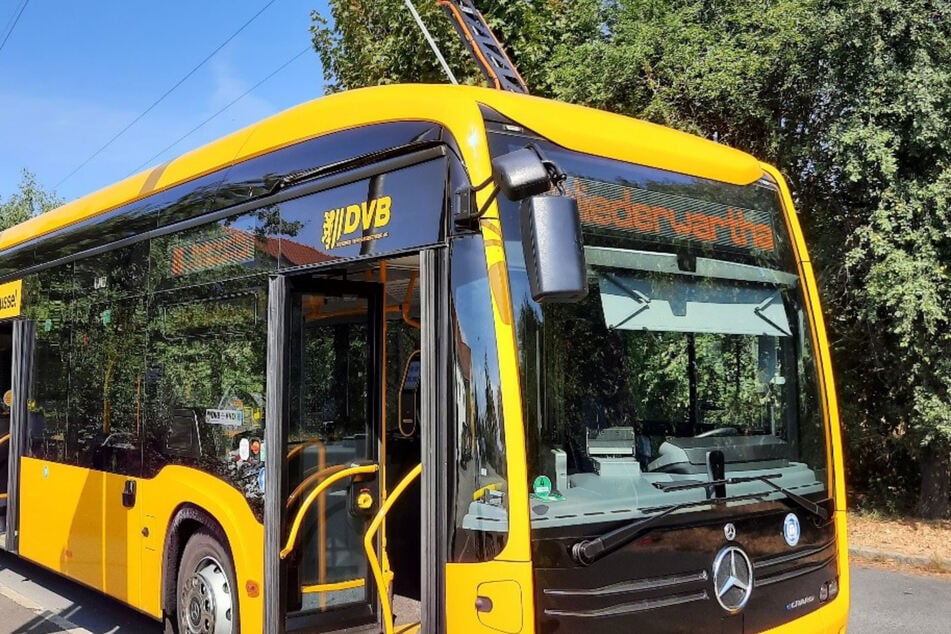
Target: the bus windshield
pixel 690 360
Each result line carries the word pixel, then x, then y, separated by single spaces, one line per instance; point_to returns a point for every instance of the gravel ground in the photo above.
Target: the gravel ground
pixel 902 543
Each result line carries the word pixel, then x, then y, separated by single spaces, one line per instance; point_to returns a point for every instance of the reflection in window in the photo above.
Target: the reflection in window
pixel 480 517
pixel 105 387
pixel 46 302
pixel 113 274
pixel 205 381
pixel 230 248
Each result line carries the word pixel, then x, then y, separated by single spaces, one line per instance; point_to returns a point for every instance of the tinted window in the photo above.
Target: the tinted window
pixel 112 275
pixel 106 370
pixel 257 176
pixel 385 213
pixel 230 248
pixel 221 189
pixel 480 523
pixel 46 301
pixel 205 380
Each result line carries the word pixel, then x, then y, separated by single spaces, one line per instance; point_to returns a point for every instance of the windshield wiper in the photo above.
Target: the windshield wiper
pixel 805 503
pixel 767 479
pixel 587 551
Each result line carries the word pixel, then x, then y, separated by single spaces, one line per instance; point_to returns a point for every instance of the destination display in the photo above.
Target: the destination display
pixel 671 217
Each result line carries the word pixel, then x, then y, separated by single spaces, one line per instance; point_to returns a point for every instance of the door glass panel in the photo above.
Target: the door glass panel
pixel 331 403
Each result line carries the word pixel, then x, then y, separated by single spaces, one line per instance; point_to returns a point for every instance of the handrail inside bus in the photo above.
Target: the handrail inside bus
pixel 304 445
pixel 371 552
pixel 309 500
pixel 405 306
pixel 309 480
pixel 336 586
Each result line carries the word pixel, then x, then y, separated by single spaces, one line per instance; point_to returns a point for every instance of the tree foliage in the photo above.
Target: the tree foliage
pixel 372 42
pixel 850 98
pixel 30 200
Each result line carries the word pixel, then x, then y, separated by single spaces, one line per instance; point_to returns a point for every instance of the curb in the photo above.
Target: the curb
pixel 909 560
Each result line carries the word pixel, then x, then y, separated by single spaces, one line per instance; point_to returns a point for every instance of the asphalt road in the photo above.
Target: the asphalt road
pixel 885 601
pixel 34 601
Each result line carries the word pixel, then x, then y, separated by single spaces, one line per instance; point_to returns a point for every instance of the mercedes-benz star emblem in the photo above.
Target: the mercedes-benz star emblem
pixel 732 578
pixel 729 531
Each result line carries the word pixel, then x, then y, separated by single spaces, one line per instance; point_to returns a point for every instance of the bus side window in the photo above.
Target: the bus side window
pixel 46 301
pixel 108 337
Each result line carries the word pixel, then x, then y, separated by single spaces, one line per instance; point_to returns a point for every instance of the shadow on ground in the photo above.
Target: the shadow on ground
pixel 58 604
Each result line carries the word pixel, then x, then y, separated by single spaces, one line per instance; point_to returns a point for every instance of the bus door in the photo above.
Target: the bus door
pixel 16 355
pixel 353 373
pixel 330 479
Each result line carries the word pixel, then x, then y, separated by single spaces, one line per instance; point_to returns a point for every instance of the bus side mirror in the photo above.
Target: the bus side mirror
pixel 520 174
pixel 554 253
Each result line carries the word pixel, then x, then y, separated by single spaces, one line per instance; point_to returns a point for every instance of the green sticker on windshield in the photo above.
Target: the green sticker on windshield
pixel 541 489
pixel 541 486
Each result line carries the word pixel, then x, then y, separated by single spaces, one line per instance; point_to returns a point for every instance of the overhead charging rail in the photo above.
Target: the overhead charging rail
pixel 482 43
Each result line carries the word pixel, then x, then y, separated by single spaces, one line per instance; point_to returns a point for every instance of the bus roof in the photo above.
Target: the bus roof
pixel 456 107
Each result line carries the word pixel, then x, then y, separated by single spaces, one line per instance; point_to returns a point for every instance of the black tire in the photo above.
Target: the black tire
pixel 206 596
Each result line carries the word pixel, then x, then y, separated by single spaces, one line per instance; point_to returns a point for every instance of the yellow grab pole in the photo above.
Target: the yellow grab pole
pixel 309 500
pixel 371 554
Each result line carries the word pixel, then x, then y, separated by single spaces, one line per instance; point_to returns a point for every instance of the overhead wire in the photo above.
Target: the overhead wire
pixel 208 120
pixel 16 21
pixel 164 95
pixel 432 42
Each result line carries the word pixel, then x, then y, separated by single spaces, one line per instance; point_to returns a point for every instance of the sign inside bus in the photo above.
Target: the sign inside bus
pixel 671 216
pixel 228 247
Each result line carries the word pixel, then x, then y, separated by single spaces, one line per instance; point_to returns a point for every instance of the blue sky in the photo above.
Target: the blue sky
pixel 73 74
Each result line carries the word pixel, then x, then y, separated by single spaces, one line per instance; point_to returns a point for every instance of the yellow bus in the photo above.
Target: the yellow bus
pixel 429 358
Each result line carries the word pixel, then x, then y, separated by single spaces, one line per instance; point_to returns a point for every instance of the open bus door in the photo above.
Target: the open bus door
pixel 326 566
pixel 16 357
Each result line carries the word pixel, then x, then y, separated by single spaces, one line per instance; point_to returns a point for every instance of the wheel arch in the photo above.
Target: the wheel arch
pixel 187 520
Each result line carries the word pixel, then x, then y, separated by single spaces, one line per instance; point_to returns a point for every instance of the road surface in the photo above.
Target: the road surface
pixel 34 601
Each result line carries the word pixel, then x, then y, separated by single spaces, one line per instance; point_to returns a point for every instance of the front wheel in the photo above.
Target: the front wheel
pixel 205 596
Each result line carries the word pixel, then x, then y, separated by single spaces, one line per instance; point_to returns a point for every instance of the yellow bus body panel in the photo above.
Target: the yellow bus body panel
pixel 456 107
pixel 827 389
pixel 73 522
pixel 161 497
pixel 507 584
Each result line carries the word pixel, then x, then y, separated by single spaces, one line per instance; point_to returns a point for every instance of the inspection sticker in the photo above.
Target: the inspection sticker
pixel 541 489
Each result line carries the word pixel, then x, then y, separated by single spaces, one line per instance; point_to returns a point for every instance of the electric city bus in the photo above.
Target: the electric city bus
pixel 429 358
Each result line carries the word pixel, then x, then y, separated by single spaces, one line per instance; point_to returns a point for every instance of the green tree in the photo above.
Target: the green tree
pixel 889 165
pixel 850 98
pixel 372 42
pixel 31 200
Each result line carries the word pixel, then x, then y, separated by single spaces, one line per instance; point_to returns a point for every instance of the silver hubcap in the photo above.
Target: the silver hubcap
pixel 204 603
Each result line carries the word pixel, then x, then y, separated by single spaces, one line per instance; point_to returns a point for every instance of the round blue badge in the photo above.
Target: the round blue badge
pixel 791 529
